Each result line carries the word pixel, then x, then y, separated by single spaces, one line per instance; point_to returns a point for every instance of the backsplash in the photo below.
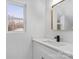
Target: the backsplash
pixel 66 36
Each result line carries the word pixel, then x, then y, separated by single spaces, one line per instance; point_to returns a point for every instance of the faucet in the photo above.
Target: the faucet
pixel 57 38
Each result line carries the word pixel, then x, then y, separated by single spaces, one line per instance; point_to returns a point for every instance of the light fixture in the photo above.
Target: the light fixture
pixel 56 2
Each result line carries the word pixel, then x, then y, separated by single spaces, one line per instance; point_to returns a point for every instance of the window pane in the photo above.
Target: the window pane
pixel 15 17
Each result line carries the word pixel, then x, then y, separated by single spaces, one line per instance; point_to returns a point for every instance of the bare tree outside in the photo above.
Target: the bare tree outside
pixel 15 18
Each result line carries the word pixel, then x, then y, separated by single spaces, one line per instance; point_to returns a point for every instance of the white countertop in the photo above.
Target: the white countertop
pixel 67 49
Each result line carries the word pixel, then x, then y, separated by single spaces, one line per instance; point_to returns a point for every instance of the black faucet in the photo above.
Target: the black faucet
pixel 57 38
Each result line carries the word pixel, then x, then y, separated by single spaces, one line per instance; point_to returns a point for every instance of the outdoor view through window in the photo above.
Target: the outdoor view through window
pixel 15 17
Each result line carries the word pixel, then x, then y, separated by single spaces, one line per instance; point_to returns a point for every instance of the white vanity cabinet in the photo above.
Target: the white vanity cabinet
pixel 39 53
pixel 42 52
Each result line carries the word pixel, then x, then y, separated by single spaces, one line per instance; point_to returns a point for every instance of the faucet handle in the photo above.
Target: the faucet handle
pixel 57 38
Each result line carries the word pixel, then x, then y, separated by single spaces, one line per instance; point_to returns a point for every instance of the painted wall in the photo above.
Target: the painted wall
pixel 19 44
pixel 67 36
pixel 37 18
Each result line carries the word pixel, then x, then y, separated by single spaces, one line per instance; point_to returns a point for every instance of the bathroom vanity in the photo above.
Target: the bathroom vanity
pixel 43 49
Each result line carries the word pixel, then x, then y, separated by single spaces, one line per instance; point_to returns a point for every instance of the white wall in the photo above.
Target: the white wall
pixel 19 45
pixel 67 36
pixel 37 12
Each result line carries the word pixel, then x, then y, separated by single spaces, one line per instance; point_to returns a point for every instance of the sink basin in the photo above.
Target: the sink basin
pixel 54 43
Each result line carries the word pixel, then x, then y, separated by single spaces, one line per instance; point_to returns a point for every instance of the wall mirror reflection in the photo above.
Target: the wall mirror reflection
pixel 62 15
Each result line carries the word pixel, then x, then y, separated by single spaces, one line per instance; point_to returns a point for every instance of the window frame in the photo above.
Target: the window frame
pixel 24 12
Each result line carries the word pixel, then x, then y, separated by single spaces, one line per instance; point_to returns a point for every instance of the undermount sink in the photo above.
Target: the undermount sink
pixel 54 43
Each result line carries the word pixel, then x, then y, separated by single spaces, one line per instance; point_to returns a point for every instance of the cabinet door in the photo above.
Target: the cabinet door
pixel 48 56
pixel 62 56
pixel 39 53
pixel 36 52
pixel 66 57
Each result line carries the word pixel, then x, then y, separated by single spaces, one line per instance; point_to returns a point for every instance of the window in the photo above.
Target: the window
pixel 15 17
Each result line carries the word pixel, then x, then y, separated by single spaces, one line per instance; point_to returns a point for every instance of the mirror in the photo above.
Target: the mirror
pixel 62 15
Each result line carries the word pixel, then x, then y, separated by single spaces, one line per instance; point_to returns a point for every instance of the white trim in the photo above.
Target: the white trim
pixel 17 1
